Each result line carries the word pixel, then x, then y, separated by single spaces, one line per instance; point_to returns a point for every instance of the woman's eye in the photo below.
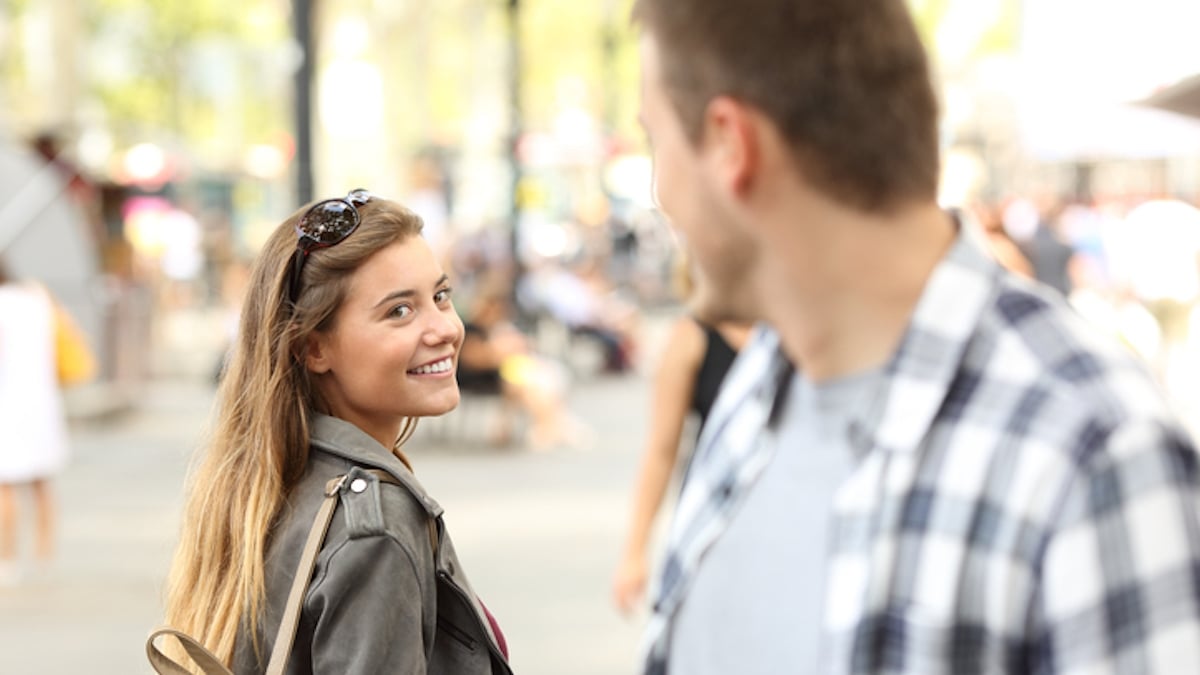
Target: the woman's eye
pixel 443 295
pixel 400 311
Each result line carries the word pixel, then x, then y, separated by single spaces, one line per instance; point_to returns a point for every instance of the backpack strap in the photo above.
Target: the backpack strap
pixel 286 636
pixel 165 665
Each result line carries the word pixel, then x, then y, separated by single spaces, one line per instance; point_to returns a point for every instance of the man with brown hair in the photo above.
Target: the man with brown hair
pixel 957 476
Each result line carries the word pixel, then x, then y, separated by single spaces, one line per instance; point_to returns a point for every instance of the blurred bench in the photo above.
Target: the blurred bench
pixel 472 423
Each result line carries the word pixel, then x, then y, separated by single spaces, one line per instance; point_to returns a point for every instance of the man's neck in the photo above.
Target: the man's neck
pixel 846 309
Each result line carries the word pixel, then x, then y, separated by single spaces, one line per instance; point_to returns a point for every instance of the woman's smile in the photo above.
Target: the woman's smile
pixel 440 368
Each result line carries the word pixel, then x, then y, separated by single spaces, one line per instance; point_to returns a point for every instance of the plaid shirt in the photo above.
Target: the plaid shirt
pixel 1022 500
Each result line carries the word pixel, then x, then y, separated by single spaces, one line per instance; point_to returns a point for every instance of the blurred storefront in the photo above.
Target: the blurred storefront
pixel 48 234
pixel 1044 97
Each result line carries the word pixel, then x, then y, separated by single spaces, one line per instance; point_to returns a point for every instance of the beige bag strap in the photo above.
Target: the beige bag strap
pixel 308 560
pixel 286 636
pixel 165 665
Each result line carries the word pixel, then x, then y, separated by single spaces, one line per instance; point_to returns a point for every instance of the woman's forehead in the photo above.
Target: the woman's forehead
pixel 405 264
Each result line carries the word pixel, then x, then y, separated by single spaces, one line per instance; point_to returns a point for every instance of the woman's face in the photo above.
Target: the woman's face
pixel 393 347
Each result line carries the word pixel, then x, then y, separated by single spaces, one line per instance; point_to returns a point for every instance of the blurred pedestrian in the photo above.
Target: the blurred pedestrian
pixel 585 302
pixel 690 371
pixel 958 475
pixel 347 337
pixel 1037 232
pixel 998 242
pixel 498 358
pixel 35 446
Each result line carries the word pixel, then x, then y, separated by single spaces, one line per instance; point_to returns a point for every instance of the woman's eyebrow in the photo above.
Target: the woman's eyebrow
pixel 396 295
pixel 409 292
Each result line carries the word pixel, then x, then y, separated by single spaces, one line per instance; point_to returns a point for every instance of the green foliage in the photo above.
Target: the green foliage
pixel 149 66
pixel 1003 35
pixel 159 95
pixel 999 37
pixel 591 41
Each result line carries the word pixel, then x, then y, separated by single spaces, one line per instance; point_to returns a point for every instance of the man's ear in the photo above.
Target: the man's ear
pixel 730 139
pixel 316 353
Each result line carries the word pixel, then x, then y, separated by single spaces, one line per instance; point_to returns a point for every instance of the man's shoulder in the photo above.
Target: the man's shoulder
pixel 1031 342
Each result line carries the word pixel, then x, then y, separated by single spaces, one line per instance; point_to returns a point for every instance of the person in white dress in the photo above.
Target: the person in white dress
pixel 34 449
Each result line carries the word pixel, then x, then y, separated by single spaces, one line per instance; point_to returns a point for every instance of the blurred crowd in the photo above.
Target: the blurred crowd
pixel 1131 266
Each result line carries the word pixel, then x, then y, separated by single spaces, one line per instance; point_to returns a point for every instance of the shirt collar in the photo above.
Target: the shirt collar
pixel 918 377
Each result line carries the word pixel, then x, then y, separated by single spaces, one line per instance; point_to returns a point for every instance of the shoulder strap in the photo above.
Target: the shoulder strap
pixel 286 636
pixel 165 665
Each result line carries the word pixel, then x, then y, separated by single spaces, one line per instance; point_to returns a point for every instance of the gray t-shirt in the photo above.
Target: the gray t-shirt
pixel 756 602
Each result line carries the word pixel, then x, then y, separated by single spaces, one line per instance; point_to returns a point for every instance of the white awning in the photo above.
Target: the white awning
pixel 1183 97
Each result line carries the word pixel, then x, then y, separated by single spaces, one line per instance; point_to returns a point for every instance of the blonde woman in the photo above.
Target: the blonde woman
pixel 687 380
pixel 347 337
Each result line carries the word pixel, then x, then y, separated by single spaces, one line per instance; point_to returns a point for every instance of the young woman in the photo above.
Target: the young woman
pixel 686 383
pixel 35 448
pixel 347 336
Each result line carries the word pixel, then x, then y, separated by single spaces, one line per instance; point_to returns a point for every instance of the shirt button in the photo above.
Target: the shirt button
pixel 358 485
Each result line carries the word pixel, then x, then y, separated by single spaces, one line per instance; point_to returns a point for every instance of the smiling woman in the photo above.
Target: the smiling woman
pixel 348 337
pixel 390 352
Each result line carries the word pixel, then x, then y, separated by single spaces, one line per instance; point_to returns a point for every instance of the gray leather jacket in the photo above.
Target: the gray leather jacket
pixel 378 601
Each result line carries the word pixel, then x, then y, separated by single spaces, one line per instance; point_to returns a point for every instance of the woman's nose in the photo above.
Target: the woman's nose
pixel 445 326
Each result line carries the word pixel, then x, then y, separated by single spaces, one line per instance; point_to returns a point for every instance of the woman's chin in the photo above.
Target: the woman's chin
pixel 441 404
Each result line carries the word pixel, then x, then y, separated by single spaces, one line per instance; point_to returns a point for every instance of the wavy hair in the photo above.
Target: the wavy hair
pixel 259 440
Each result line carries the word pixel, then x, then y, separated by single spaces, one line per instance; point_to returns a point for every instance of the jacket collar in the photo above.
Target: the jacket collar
pixel 341 438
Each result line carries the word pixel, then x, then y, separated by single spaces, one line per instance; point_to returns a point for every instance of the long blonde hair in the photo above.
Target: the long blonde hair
pixel 259 442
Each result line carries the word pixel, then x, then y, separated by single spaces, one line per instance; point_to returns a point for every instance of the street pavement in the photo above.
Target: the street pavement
pixel 538 533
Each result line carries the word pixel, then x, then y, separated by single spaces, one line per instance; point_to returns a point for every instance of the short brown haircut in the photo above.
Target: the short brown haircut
pixel 846 82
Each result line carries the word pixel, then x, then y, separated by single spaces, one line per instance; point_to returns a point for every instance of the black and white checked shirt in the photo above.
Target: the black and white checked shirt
pixel 1022 501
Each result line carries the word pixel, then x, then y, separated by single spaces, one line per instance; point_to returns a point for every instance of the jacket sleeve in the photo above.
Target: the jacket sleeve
pixel 365 609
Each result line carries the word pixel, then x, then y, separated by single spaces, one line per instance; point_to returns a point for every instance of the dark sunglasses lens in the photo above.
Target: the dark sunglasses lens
pixel 330 222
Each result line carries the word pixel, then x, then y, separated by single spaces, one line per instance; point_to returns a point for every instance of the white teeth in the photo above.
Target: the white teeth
pixel 438 367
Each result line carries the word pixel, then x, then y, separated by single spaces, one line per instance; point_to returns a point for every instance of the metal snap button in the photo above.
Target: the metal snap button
pixel 358 485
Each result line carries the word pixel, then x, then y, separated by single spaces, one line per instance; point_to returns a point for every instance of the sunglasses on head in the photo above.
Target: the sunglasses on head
pixel 325 224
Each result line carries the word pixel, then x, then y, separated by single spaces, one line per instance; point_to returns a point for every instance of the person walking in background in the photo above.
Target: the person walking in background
pixel 997 240
pixel 689 375
pixel 919 463
pixel 1037 231
pixel 35 447
pixel 497 358
pixel 347 337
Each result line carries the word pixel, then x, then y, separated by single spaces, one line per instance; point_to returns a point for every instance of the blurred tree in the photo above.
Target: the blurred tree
pixel 988 27
pixel 208 74
pixel 591 42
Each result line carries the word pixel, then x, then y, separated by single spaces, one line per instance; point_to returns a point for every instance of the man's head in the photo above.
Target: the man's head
pixel 836 93
pixel 847 85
